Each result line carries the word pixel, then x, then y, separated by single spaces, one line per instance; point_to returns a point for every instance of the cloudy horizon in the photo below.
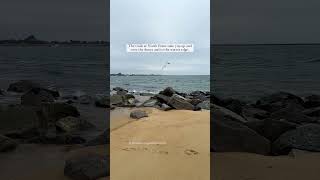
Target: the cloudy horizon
pixel 150 21
pixel 265 22
pixel 55 20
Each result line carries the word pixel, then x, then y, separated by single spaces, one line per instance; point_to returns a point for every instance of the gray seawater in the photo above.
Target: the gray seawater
pixel 68 69
pixel 154 84
pixel 81 69
pixel 248 72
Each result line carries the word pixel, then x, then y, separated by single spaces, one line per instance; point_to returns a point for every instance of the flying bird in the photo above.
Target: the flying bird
pixel 165 65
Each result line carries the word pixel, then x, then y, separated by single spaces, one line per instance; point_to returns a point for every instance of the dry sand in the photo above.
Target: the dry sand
pixel 172 145
pixel 42 162
pixel 245 166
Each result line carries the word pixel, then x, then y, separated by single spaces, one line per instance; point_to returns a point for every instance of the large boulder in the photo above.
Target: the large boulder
pixel 229 134
pixel 7 144
pixel 251 112
pixel 36 97
pixel 271 129
pixel 204 105
pixel 179 102
pixel 152 102
pixel 224 113
pixel 194 102
pixel 312 101
pixel 162 98
pixel 234 105
pixel 165 107
pixel 277 101
pixel 312 112
pixel 19 118
pixel 306 137
pixel 291 115
pixel 89 167
pixel 169 91
pixel 120 91
pixel 22 86
pixel 127 100
pixel 216 100
pixel 138 114
pixel 2 92
pixel 102 139
pixel 103 101
pixel 56 111
pixel 199 95
pixel 71 124
pixel 86 99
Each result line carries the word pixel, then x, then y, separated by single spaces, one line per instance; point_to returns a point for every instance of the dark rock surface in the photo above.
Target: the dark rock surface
pixel 204 105
pixel 277 101
pixel 102 139
pixel 138 114
pixel 169 91
pixel 37 96
pixel 305 137
pixel 251 112
pixel 71 124
pixel 13 118
pixel 312 101
pixel 22 86
pixel 103 101
pixel 7 144
pixel 313 112
pixel 56 111
pixel 271 129
pixel 90 167
pixel 179 102
pixel 231 135
pixel 152 102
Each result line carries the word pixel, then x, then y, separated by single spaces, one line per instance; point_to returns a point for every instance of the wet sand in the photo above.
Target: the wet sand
pixel 166 145
pixel 245 166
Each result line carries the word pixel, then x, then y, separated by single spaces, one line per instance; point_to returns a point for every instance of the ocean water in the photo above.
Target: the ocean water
pixel 68 69
pixel 248 72
pixel 154 84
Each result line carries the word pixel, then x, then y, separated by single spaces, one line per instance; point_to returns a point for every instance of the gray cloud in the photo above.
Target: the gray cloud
pixel 55 20
pixel 257 21
pixel 165 21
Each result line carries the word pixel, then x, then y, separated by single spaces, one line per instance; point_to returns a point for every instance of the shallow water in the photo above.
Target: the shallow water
pixel 154 84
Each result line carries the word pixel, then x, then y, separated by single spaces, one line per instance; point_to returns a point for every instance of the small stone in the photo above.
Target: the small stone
pixel 138 114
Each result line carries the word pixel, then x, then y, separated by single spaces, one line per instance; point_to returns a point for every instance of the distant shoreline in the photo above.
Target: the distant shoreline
pixel 267 44
pixel 33 41
pixel 53 45
pixel 159 75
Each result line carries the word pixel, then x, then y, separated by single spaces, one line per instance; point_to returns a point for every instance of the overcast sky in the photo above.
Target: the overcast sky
pixel 165 21
pixel 265 21
pixel 54 19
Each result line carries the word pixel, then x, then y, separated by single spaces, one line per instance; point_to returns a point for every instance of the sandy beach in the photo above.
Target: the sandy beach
pixel 166 145
pixel 38 162
pixel 247 166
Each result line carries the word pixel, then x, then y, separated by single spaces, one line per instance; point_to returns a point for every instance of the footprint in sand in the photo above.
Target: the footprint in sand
pixel 190 152
pixel 145 149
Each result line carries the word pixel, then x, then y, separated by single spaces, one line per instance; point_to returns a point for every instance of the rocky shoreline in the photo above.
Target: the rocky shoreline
pixel 278 124
pixel 43 117
pixel 165 100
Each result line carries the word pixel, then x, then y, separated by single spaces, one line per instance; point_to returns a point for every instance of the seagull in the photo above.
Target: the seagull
pixel 165 65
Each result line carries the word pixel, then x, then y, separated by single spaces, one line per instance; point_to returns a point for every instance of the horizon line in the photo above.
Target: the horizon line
pixel 258 44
